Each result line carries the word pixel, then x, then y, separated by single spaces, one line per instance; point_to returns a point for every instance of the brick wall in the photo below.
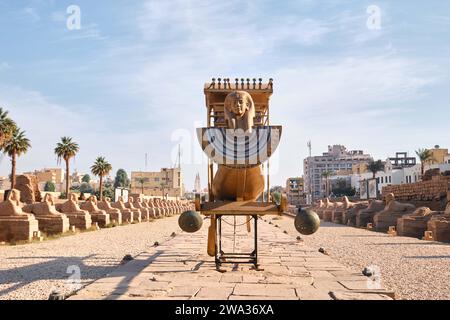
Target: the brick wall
pixel 434 189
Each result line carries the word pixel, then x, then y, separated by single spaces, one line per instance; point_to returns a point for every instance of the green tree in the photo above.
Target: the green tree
pixel 7 127
pixel 121 180
pixel 142 181
pixel 375 166
pixel 86 178
pixel 343 189
pixel 106 192
pixel 15 147
pixel 424 156
pixel 66 150
pixel 101 168
pixel 85 188
pixel 49 187
pixel 326 175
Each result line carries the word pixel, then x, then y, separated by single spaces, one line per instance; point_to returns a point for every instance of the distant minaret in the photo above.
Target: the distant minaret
pixel 197 186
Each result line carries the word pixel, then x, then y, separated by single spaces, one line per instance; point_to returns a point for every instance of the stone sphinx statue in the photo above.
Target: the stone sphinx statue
pixel 365 216
pixel 439 224
pixel 325 204
pixel 151 211
pixel 238 183
pixel 16 225
pixel 152 207
pixel 328 212
pixel 12 205
pixel 349 215
pixel 159 205
pixel 166 207
pixel 414 224
pixel 339 214
pixel 114 213
pixel 97 215
pixel 137 216
pixel 81 219
pixel 319 204
pixel 392 211
pixel 50 220
pixel 127 214
pixel 145 212
pixel 29 189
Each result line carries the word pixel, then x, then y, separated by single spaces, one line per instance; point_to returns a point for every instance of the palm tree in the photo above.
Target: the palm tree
pixel 66 149
pixel 101 168
pixel 7 127
pixel 375 166
pixel 142 181
pixel 15 147
pixel 327 175
pixel 424 156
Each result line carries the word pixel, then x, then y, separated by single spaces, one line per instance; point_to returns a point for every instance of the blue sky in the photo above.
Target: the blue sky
pixel 130 81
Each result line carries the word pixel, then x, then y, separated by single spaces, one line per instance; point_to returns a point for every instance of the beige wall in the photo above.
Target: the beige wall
pixel 438 156
pixel 170 178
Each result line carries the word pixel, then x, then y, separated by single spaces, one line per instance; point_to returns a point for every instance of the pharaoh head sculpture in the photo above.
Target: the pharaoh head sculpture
pixel 73 197
pixel 239 110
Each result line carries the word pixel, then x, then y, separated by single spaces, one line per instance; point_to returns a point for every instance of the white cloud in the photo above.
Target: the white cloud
pixel 31 13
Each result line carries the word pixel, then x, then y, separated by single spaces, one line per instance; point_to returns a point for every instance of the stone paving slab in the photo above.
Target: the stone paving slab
pixel 180 269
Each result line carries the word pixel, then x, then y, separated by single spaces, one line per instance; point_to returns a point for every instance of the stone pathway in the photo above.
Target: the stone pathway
pixel 180 269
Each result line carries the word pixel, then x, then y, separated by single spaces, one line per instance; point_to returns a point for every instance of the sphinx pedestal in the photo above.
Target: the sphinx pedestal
pixel 101 218
pixel 440 226
pixel 127 216
pixel 327 214
pixel 18 228
pixel 337 216
pixel 53 224
pixel 81 220
pixel 349 216
pixel 383 220
pixel 415 224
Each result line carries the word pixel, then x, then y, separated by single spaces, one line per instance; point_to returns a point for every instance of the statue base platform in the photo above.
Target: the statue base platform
pixel 18 228
pixel 137 216
pixel 240 208
pixel 412 226
pixel 81 220
pixel 383 220
pixel 362 219
pixel 127 216
pixel 102 218
pixel 115 215
pixel 145 215
pixel 337 217
pixel 440 228
pixel 53 224
pixel 327 215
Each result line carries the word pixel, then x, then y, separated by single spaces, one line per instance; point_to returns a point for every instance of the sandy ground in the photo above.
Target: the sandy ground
pixel 33 271
pixel 414 269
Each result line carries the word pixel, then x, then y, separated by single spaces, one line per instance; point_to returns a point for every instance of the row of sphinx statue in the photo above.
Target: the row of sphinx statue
pixel 19 221
pixel 381 215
